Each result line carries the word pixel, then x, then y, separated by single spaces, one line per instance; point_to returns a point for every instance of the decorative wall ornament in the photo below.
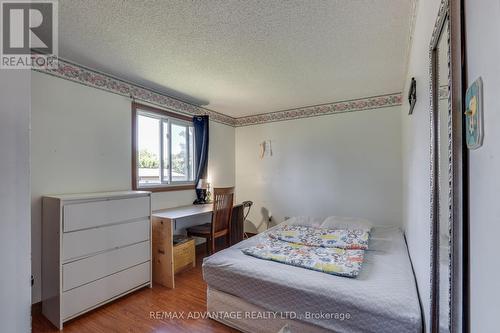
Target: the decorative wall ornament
pixel 369 103
pixel 474 114
pixel 93 78
pixel 412 95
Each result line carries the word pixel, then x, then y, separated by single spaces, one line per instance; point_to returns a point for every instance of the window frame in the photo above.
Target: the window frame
pixel 173 118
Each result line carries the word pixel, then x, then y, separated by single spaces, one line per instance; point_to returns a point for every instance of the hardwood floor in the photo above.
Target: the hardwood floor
pixel 132 313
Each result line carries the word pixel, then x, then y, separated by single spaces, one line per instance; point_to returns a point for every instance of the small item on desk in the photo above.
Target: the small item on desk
pixel 202 192
pixel 201 197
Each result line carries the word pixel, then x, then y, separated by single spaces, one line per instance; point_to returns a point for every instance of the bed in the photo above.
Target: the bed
pixel 255 295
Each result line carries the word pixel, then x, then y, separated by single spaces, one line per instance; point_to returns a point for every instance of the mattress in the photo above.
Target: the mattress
pixel 383 298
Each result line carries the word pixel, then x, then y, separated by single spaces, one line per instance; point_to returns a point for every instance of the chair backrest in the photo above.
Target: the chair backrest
pixel 223 208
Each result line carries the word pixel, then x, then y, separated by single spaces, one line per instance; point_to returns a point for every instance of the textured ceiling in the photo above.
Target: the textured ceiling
pixel 243 57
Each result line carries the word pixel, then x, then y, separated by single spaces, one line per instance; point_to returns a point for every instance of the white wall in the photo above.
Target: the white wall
pixel 483 59
pixel 416 153
pixel 346 164
pixel 15 247
pixel 81 142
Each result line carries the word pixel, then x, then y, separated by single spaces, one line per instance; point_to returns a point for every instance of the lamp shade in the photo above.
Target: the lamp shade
pixel 202 184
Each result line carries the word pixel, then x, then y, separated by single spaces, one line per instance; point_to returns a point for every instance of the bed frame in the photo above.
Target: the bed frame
pixel 221 302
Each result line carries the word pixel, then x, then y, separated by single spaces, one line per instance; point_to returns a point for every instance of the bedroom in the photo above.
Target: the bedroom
pixel 187 166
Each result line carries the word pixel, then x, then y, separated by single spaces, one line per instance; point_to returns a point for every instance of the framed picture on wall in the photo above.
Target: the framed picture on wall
pixel 474 115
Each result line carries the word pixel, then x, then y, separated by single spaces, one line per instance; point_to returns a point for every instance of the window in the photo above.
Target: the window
pixel 163 150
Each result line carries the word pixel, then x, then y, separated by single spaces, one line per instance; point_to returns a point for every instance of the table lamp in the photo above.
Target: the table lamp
pixel 201 192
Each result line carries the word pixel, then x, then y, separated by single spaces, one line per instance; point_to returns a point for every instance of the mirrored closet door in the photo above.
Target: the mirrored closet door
pixel 446 171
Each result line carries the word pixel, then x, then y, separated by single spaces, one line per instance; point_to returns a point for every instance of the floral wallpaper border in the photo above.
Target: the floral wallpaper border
pixel 368 103
pixel 92 78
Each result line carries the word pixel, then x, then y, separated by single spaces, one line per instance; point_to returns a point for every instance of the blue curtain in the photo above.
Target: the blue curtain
pixel 200 124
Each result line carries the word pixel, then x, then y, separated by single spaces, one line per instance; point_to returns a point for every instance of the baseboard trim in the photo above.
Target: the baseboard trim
pixel 36 308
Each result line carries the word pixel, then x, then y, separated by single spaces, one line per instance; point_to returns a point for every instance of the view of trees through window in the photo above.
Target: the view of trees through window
pixel 179 152
pixel 148 159
pixel 174 139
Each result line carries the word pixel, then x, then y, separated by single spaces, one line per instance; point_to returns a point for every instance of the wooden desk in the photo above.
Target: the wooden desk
pixel 167 221
pixel 177 213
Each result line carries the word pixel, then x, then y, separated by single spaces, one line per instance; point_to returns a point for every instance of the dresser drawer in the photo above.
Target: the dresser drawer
pixel 91 241
pixel 98 213
pixel 86 270
pixel 90 295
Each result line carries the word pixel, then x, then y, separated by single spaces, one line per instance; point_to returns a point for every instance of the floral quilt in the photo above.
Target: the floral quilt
pixel 314 236
pixel 331 260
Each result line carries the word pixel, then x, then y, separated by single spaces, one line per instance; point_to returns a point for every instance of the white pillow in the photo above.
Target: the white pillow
pixel 340 222
pixel 304 220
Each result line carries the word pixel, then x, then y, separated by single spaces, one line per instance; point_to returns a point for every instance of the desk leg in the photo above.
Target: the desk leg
pixel 163 252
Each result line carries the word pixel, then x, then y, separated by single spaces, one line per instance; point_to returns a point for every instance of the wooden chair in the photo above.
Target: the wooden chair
pixel 221 220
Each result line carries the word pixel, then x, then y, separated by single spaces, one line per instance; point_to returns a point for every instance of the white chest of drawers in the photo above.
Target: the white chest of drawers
pixel 96 247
